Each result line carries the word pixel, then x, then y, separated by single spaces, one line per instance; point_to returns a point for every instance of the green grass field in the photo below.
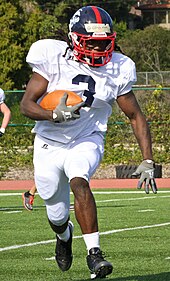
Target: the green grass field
pixel 135 235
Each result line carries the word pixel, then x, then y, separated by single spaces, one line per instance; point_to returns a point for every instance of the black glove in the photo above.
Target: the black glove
pixel 63 113
pixel 146 173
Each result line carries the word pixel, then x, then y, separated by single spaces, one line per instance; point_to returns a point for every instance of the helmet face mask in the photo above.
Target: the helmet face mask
pixel 92 57
pixel 92 26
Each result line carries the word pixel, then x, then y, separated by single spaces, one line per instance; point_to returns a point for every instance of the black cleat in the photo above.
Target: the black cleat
pixel 99 267
pixel 63 251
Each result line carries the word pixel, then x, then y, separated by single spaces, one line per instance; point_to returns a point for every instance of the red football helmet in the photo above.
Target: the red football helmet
pixel 92 25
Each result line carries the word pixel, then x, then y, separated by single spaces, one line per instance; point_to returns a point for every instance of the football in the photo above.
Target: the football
pixel 52 99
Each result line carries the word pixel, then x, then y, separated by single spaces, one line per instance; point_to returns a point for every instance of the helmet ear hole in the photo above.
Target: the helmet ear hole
pixel 92 23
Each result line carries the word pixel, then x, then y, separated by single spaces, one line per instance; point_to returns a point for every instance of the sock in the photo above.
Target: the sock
pixel 65 235
pixel 31 193
pixel 27 194
pixel 91 240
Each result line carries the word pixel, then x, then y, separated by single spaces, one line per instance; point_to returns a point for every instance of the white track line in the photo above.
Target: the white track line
pixel 12 194
pixel 132 199
pixel 130 192
pixel 12 212
pixel 77 237
pixel 94 192
pixel 50 259
pixel 147 210
pixel 109 200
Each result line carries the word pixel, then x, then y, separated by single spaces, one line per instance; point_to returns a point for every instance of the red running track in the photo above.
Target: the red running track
pixel 94 183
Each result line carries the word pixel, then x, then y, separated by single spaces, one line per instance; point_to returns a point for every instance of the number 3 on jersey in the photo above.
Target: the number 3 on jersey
pixel 91 87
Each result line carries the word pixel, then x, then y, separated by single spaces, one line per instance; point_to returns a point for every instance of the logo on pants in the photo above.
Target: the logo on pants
pixel 45 146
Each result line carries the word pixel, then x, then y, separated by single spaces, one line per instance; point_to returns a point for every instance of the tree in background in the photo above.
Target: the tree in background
pixel 21 24
pixel 149 48
pixel 24 22
pixel 118 9
pixel 11 51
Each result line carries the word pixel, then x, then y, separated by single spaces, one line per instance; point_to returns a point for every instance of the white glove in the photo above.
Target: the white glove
pixel 2 131
pixel 146 172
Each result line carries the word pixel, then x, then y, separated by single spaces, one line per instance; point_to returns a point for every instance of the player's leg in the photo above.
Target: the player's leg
pixel 58 217
pixel 53 188
pixel 82 160
pixel 80 165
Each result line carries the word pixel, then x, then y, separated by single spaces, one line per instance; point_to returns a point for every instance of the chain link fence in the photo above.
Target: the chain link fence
pixel 153 78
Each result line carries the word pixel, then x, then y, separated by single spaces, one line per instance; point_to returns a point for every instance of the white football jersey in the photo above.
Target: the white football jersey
pixel 98 86
pixel 2 96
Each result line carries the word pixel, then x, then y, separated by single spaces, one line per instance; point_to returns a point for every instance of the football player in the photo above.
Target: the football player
pixel 6 113
pixel 28 198
pixel 29 195
pixel 69 141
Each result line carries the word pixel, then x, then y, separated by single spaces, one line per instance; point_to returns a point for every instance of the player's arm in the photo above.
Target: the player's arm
pixel 145 170
pixel 7 115
pixel 130 107
pixel 36 87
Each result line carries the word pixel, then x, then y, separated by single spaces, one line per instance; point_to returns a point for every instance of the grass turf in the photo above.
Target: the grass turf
pixel 134 231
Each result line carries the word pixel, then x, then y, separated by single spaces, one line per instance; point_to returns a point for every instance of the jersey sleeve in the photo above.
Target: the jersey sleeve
pixel 2 96
pixel 128 77
pixel 44 57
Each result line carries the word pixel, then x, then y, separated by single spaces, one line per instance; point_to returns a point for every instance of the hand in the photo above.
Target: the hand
pixel 64 113
pixel 146 173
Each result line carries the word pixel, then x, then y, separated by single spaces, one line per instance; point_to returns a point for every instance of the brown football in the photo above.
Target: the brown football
pixel 52 99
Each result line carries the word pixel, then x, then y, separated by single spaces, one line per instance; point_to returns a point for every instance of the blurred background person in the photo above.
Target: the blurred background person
pixel 28 198
pixel 6 113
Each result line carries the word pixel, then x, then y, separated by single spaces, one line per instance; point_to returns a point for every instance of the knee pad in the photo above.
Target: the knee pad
pixel 59 229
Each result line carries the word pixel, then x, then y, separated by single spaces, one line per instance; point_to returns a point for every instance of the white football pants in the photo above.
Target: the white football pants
pixel 55 164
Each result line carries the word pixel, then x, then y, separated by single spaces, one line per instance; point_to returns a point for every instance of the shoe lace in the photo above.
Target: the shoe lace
pixel 97 251
pixel 101 254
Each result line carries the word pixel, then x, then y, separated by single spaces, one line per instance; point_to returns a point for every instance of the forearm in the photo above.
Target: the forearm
pixel 6 118
pixel 34 111
pixel 143 136
pixel 36 87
